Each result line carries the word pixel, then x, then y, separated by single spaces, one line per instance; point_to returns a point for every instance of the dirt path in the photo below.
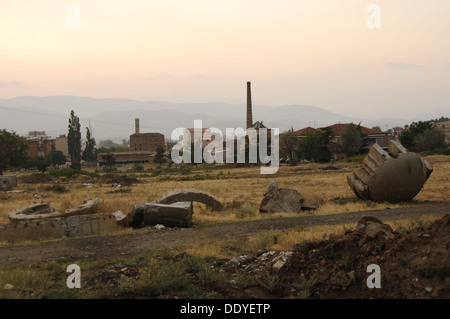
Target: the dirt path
pixel 115 246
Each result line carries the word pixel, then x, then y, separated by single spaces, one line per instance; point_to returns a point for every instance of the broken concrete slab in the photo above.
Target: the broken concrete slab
pixel 170 215
pixel 173 215
pixel 41 221
pixel 283 200
pixel 44 210
pixel 397 176
pixel 7 182
pixel 58 227
pixel 191 195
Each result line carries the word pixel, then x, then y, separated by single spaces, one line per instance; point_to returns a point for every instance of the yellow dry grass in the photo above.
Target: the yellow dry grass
pixel 281 240
pixel 233 186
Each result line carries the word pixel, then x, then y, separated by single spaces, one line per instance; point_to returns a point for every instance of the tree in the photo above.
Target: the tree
pixel 13 150
pixel 422 136
pixel 41 164
pixel 159 156
pixel 429 140
pixel 89 151
pixel 288 145
pixel 110 161
pixel 351 140
pixel 56 158
pixel 315 146
pixel 74 141
pixel 410 133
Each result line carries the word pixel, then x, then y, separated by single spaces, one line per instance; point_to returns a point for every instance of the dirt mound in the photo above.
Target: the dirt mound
pixel 414 264
pixel 123 180
pixel 36 178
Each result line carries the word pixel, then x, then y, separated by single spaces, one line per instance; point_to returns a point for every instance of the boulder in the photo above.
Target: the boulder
pixel 397 176
pixel 372 227
pixel 310 204
pixel 7 182
pixel 279 200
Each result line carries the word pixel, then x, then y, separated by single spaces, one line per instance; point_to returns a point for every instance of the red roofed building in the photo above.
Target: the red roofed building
pixel 305 131
pixel 373 136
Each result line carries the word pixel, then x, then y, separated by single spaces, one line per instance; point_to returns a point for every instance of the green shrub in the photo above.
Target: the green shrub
pixel 138 168
pixel 70 172
pixel 154 174
pixel 440 151
pixel 109 169
pixel 352 159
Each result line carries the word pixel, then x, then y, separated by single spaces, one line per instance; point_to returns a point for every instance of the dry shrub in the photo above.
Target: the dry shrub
pixel 246 210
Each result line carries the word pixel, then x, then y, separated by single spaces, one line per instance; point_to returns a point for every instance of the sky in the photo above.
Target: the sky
pixel 372 58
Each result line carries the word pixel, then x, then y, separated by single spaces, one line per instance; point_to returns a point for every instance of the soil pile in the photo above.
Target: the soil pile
pixel 36 178
pixel 413 264
pixel 123 180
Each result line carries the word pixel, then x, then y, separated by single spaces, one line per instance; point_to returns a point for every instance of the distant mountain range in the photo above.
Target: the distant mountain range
pixel 114 118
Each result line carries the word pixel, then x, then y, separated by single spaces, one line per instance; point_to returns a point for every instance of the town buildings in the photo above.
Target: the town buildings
pixel 142 148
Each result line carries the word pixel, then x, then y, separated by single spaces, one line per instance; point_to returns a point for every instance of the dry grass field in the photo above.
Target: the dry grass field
pixel 233 186
pixel 202 269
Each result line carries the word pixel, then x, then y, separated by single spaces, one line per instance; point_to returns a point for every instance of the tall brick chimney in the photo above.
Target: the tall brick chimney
pixel 249 105
pixel 136 126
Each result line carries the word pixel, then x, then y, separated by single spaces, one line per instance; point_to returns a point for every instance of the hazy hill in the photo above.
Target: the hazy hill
pixel 114 118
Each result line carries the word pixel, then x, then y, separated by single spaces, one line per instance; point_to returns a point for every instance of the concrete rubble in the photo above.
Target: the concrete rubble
pixel 45 211
pixel 173 215
pixel 263 263
pixel 393 176
pixel 173 209
pixel 187 194
pixel 279 200
pixel 41 221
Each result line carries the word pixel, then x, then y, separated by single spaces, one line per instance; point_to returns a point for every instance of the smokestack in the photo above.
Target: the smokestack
pixel 136 126
pixel 249 106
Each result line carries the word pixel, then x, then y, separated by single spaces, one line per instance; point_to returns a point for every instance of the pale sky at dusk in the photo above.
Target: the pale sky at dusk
pixel 313 52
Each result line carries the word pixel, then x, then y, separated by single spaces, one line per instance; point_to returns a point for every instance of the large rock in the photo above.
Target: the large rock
pixel 7 182
pixel 283 200
pixel 371 227
pixel 186 194
pixel 397 176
